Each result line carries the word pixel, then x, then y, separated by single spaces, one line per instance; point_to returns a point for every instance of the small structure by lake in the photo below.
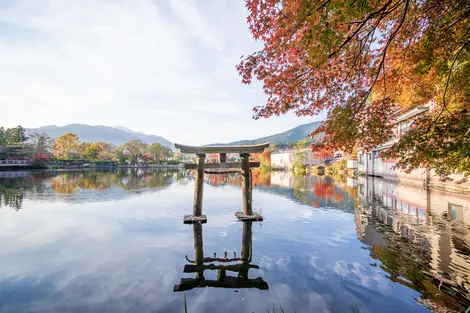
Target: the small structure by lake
pixel 223 168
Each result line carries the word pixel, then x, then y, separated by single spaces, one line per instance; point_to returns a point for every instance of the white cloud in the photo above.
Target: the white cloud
pixel 166 68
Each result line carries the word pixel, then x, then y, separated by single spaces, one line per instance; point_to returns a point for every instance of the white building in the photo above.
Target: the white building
pixel 286 159
pixel 372 164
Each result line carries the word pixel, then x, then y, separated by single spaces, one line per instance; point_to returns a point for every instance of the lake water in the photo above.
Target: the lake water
pixel 116 242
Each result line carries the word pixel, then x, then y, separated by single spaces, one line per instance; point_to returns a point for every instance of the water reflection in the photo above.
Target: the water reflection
pixel 80 186
pixel 326 243
pixel 240 265
pixel 421 238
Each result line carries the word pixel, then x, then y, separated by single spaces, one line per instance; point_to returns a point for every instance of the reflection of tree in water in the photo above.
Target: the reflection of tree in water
pixel 315 191
pixel 127 179
pixel 324 190
pixel 12 197
pixel 14 190
pixel 300 186
pixel 406 256
pixel 259 178
pixel 327 188
pixel 133 179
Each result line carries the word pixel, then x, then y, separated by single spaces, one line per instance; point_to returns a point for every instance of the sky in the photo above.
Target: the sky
pixel 162 67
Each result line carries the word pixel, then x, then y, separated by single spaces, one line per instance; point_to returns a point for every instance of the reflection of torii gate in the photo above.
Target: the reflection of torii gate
pixel 245 165
pixel 223 281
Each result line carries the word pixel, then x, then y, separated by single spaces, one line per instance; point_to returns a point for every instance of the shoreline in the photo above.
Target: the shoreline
pixel 75 167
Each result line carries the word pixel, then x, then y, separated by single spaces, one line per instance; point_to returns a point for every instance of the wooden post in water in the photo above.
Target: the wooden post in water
pixel 247 241
pixel 197 216
pixel 198 249
pixel 246 184
pixel 247 214
pixel 199 186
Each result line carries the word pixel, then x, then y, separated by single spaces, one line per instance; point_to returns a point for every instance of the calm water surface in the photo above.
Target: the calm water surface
pixel 116 242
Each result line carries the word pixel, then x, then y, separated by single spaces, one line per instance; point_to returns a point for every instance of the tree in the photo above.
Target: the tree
pixel 158 152
pixel 299 155
pixel 106 154
pixel 12 141
pixel 39 159
pixel 15 136
pixel 91 151
pixel 362 62
pixel 265 161
pixel 40 143
pixel 3 141
pixel 136 150
pixel 322 152
pixel 120 155
pixel 66 146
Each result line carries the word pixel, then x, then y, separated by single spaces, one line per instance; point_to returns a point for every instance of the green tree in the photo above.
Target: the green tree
pixel 13 141
pixel 2 137
pixel 15 136
pixel 299 156
pixel 120 155
pixel 158 152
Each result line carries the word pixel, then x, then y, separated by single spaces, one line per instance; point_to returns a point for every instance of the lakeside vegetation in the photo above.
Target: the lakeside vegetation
pixel 41 149
pixel 364 63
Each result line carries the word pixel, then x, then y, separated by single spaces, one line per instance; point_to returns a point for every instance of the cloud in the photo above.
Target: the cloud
pixel 166 68
pixel 189 15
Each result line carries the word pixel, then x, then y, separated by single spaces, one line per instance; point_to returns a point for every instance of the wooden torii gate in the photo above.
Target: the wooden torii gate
pixel 223 280
pixel 224 167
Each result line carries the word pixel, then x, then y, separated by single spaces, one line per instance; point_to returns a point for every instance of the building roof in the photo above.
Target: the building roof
pixel 385 145
pixel 412 113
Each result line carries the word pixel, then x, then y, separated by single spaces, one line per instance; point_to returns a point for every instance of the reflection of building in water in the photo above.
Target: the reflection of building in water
pixel 409 227
pixel 240 265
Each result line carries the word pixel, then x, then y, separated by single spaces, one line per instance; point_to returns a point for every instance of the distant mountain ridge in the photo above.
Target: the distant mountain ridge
pixel 114 135
pixel 291 135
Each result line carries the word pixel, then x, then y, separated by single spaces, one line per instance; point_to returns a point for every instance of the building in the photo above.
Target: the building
pixel 286 159
pixel 371 163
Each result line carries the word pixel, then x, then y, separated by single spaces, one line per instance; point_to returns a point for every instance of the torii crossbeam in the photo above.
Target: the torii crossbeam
pixel 245 165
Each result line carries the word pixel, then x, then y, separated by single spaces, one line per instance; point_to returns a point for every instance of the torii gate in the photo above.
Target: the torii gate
pixel 223 280
pixel 245 165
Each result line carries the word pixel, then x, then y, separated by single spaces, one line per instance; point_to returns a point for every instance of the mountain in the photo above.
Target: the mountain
pixel 291 135
pixel 114 135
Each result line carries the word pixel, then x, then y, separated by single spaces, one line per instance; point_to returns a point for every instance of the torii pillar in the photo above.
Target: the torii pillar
pixel 223 168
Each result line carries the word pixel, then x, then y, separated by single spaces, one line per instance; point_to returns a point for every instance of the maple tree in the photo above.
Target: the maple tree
pixel 362 62
pixel 321 152
pixel 265 160
pixel 40 159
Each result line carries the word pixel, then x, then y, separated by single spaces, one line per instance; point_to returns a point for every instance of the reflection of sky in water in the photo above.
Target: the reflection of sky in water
pixel 127 253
